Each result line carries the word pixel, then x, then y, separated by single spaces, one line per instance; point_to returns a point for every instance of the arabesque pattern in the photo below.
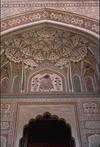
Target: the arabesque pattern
pixel 45 43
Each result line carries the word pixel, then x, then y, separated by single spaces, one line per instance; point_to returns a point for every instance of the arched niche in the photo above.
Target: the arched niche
pixel 16 84
pixel 52 16
pixel 47 130
pixel 4 85
pixel 89 84
pixel 76 83
pixel 90 80
pixel 46 80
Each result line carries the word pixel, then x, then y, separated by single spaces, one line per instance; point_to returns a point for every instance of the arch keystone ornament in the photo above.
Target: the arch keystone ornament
pixel 47 130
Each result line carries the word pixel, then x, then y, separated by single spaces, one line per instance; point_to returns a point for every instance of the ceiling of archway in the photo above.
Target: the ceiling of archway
pixel 46 43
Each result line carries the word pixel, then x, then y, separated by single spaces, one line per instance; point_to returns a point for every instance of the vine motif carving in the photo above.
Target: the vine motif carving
pixel 47 14
pixel 45 43
pixel 46 82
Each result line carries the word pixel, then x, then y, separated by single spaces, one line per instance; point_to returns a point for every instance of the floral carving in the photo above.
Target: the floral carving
pixel 45 43
pixel 90 108
pixel 51 14
pixel 46 82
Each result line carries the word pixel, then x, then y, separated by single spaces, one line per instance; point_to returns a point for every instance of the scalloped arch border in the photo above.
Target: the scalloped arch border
pixel 65 86
pixel 68 19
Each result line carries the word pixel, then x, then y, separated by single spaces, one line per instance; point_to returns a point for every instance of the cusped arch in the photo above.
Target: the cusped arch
pixel 48 130
pixel 46 80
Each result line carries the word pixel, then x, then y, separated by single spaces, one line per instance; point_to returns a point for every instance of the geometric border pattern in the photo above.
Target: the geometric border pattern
pixel 52 15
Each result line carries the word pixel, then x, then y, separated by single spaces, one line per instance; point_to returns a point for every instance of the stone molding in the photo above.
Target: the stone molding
pixel 49 3
pixel 51 15
pixel 51 96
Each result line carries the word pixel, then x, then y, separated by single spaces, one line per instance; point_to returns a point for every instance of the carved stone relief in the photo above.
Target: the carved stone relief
pixel 8 116
pixel 62 107
pixel 3 141
pixel 5 108
pixel 89 84
pixel 76 83
pixel 52 14
pixel 4 85
pixel 45 43
pixel 66 111
pixel 90 124
pixel 5 125
pixel 94 140
pixel 90 107
pixel 46 82
pixel 30 48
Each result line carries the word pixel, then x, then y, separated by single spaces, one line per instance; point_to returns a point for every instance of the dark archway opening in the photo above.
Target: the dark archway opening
pixel 47 131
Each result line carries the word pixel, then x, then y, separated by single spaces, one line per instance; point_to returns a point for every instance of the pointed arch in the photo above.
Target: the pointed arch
pixel 16 86
pixel 76 83
pixel 89 75
pixel 5 85
pixel 89 84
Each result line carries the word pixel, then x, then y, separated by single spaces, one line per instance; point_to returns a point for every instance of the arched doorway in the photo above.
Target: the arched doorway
pixel 47 131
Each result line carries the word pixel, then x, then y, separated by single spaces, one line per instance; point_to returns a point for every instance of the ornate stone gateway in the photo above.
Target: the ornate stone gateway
pixel 47 131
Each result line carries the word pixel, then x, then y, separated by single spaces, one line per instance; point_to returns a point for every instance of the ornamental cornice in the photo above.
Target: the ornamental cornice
pixel 49 3
pixel 51 15
pixel 52 97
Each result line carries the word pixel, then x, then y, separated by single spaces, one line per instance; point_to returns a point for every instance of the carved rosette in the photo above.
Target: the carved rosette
pixel 45 43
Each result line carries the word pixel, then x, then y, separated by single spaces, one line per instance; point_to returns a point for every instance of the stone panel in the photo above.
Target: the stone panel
pixel 92 124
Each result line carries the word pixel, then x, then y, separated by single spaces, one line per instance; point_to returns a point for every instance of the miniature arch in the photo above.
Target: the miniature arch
pixel 4 85
pixel 46 72
pixel 48 130
pixel 77 83
pixel 90 80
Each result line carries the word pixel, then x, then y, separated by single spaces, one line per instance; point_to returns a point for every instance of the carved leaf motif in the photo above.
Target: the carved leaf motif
pixel 46 43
